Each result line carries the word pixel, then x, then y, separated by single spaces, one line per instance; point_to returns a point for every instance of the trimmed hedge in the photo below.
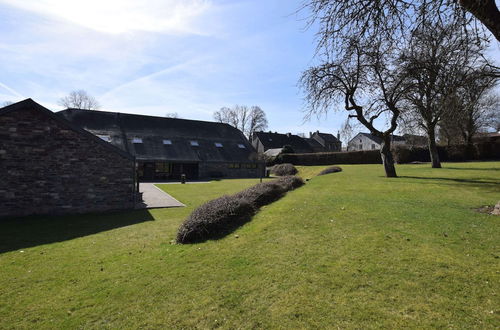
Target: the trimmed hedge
pixel 331 158
pixel 283 169
pixel 219 217
pixel 331 169
pixel 454 153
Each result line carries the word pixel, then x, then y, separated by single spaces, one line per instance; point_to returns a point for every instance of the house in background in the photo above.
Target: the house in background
pixel 263 141
pixel 50 166
pixel 165 148
pixel 327 142
pixel 317 142
pixel 367 141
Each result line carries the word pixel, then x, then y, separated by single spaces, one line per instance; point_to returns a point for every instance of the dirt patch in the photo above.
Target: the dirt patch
pixel 487 209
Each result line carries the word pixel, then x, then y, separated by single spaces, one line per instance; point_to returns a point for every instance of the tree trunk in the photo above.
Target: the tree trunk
pixel 433 147
pixel 485 11
pixel 387 159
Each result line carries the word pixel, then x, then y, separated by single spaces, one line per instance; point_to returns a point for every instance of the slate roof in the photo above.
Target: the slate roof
pixel 315 145
pixel 32 105
pixel 328 137
pixel 124 128
pixel 276 140
pixel 379 140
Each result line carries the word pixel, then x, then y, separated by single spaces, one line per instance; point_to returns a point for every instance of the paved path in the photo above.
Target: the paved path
pixel 154 197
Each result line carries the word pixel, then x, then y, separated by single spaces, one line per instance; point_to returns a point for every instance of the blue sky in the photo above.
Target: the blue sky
pixel 155 57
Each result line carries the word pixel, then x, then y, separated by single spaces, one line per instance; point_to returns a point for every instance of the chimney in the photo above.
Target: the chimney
pixel 288 134
pixel 317 131
pixel 310 134
pixel 338 135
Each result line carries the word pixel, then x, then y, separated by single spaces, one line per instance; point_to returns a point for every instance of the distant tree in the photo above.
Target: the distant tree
pixel 172 115
pixel 347 131
pixel 79 99
pixel 246 119
pixel 438 63
pixel 6 103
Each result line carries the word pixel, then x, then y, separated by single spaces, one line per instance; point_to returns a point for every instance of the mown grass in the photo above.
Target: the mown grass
pixel 349 249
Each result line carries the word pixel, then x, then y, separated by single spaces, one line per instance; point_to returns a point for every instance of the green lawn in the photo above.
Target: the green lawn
pixel 350 250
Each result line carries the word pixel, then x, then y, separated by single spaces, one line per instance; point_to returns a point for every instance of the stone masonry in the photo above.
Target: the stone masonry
pixel 49 167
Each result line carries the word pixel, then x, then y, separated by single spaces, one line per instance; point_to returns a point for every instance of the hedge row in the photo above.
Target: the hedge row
pixel 456 153
pixel 479 151
pixel 219 217
pixel 330 158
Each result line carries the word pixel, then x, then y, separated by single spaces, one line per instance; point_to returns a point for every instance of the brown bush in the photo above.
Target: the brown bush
pixel 283 169
pixel 331 169
pixel 220 216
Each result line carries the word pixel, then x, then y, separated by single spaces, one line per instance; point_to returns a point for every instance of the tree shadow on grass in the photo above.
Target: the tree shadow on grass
pixel 19 233
pixel 483 183
pixel 473 168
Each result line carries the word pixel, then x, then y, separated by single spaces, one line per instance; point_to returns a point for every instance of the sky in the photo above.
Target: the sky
pixel 155 57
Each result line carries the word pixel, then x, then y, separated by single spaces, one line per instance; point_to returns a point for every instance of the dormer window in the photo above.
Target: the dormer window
pixel 241 146
pixel 106 138
pixel 194 143
pixel 218 145
pixel 167 142
pixel 137 140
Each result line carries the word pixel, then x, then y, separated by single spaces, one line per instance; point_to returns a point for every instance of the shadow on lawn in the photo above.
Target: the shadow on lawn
pixel 32 231
pixel 479 183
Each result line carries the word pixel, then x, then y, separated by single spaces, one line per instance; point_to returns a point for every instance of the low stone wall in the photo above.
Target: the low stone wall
pixel 47 167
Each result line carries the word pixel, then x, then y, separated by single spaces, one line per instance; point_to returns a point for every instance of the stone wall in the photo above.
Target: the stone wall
pixel 46 167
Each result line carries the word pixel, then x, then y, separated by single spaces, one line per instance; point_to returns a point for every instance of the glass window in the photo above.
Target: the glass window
pixel 241 146
pixel 167 141
pixel 136 140
pixel 194 143
pixel 360 147
pixel 373 147
pixel 218 144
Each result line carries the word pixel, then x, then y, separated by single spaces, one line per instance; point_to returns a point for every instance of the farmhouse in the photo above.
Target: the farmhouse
pixel 317 142
pixel 367 141
pixel 166 148
pixel 50 166
pixel 327 142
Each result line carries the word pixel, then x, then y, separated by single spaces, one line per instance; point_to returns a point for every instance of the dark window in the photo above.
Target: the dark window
pixel 233 165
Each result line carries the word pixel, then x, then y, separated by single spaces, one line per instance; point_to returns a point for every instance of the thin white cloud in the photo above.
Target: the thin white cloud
pixel 11 91
pixel 122 16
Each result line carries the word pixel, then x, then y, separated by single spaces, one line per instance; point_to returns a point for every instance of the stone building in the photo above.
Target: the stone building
pixel 263 141
pixel 317 142
pixel 165 148
pixel 367 141
pixel 324 142
pixel 49 166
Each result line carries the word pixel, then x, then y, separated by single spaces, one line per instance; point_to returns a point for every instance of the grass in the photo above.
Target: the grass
pixel 350 250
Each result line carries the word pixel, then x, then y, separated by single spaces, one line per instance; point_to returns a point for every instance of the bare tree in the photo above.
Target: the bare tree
pixel 347 131
pixel 437 62
pixel 394 20
pixel 6 103
pixel 79 99
pixel 369 84
pixel 475 108
pixel 246 119
pixel 172 115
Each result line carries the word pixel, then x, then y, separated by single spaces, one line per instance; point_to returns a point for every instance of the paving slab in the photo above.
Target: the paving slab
pixel 154 197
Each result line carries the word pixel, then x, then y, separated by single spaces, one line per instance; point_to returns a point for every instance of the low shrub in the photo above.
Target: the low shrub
pixel 283 169
pixel 214 218
pixel 221 216
pixel 331 169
